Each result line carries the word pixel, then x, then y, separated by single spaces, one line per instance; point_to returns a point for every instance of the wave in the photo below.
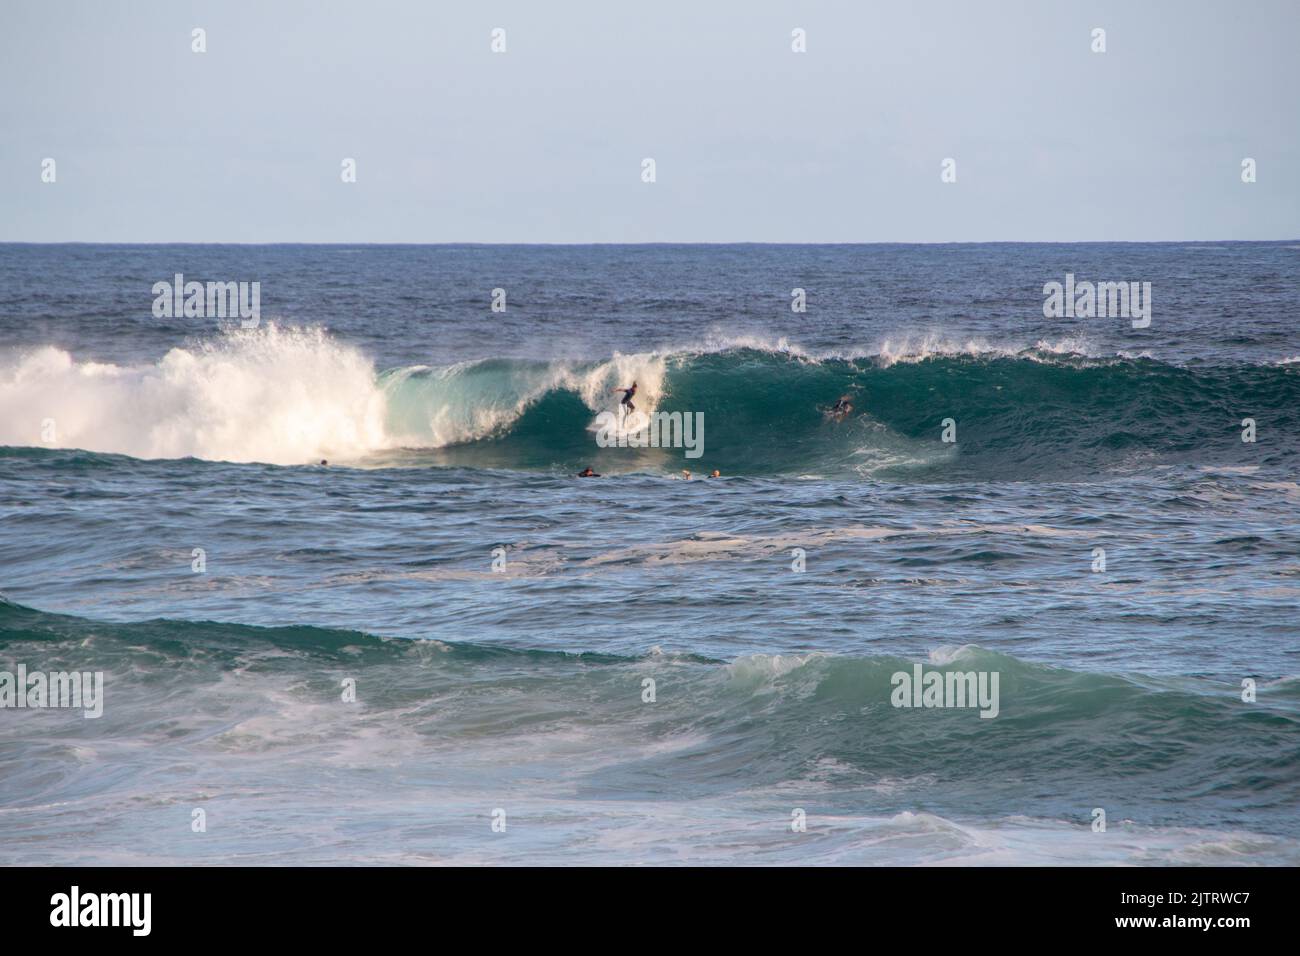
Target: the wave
pixel 293 396
pixel 1063 736
pixel 853 682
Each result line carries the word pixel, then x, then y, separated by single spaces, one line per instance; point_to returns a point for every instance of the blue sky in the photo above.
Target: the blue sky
pixel 752 142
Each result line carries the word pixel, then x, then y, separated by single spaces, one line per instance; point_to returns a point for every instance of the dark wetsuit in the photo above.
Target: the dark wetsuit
pixel 627 397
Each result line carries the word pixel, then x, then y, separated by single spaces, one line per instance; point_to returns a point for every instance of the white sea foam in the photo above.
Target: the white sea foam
pixel 284 396
pixel 268 395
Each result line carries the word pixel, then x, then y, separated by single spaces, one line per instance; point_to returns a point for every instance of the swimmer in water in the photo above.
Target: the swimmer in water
pixel 715 474
pixel 842 408
pixel 587 473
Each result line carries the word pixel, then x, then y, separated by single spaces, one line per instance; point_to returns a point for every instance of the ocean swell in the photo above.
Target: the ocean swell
pixel 294 396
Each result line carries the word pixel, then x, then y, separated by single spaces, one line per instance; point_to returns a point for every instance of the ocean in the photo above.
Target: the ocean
pixel 441 647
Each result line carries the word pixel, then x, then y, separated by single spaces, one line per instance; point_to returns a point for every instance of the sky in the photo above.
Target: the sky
pixel 751 141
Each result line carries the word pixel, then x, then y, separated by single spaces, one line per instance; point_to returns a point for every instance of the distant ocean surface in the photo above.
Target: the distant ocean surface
pixel 504 623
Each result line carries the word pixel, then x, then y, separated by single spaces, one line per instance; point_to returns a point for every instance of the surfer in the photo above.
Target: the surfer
pixel 842 408
pixel 587 473
pixel 627 396
pixel 715 474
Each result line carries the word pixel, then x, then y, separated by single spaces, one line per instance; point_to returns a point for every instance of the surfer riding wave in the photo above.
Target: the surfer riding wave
pixel 627 396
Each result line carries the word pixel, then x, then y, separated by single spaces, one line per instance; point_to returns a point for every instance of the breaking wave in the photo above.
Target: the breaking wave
pixel 293 396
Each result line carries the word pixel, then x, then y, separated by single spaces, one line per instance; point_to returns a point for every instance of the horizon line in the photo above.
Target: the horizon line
pixel 657 242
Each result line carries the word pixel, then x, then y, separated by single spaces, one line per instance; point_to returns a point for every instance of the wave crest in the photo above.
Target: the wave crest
pixel 290 396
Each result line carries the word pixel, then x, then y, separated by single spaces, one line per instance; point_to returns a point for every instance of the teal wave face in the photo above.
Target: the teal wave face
pixel 766 412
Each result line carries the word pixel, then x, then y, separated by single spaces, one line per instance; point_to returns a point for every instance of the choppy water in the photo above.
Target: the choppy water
pixel 452 435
